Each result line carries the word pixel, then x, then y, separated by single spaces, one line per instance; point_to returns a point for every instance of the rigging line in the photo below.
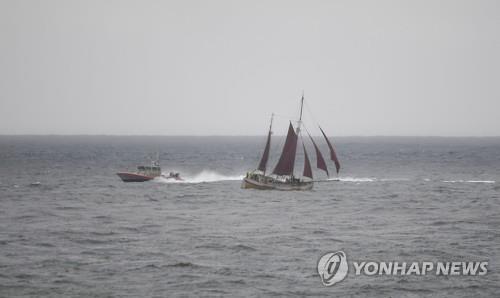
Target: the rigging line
pixel 286 117
pixel 310 113
pixel 307 131
pixel 301 138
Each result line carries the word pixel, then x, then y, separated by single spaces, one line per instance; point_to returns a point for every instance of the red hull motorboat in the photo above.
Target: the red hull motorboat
pixel 134 177
pixel 146 173
pixel 143 173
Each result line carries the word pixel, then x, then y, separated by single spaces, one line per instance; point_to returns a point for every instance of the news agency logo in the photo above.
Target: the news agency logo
pixel 421 268
pixel 332 268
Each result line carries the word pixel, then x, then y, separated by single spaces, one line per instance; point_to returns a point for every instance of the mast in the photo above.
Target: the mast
pixel 300 117
pixel 271 124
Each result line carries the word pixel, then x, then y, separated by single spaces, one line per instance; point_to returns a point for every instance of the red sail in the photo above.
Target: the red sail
pixel 287 158
pixel 320 161
pixel 333 155
pixel 265 155
pixel 307 164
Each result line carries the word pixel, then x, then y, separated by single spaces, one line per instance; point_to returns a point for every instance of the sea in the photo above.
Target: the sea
pixel 69 227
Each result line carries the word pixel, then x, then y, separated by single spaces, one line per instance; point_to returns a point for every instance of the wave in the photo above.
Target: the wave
pixel 352 179
pixel 367 179
pixel 395 179
pixel 202 177
pixel 469 181
pixel 207 176
pixel 372 179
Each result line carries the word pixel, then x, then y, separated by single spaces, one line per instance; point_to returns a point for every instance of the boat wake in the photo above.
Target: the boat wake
pixel 207 176
pixel 369 179
pixel 202 177
pixel 351 179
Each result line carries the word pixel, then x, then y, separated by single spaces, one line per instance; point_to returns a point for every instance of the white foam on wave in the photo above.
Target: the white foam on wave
pixel 395 179
pixel 469 181
pixel 352 179
pixel 366 179
pixel 202 177
pixel 479 181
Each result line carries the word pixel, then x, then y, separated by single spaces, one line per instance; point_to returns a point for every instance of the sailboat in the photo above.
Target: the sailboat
pixel 282 177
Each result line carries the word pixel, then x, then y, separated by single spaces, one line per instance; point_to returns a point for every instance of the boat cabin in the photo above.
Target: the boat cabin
pixel 149 170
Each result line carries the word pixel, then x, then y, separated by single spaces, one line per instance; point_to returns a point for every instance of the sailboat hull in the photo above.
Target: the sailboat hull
pixel 275 184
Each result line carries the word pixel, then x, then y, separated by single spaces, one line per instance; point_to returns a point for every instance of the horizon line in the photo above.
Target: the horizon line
pixel 231 135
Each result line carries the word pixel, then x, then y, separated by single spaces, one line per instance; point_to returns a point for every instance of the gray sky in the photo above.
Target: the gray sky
pixel 221 67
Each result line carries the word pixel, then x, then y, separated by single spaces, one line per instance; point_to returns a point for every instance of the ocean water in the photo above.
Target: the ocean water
pixel 82 232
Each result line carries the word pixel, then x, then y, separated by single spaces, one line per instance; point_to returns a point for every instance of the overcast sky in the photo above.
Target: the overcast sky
pixel 221 67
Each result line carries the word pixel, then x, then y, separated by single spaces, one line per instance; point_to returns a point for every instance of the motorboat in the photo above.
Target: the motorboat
pixel 143 173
